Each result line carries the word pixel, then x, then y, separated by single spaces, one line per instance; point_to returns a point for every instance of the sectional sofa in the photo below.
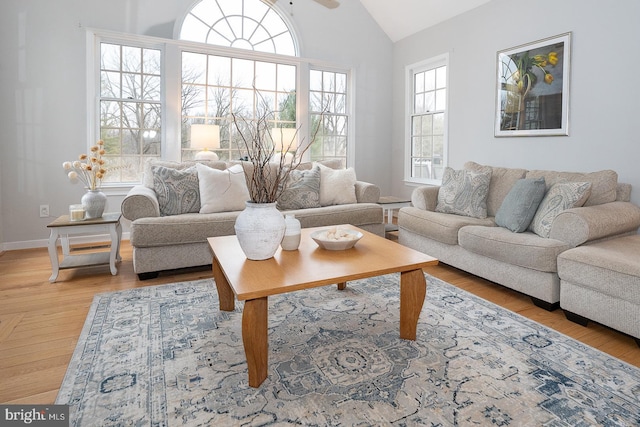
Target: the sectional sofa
pixel 519 251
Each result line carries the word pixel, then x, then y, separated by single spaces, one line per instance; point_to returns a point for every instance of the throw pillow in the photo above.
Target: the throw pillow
pixel 147 176
pixel 222 191
pixel 520 204
pixel 302 190
pixel 337 186
pixel 177 190
pixel 561 196
pixel 464 192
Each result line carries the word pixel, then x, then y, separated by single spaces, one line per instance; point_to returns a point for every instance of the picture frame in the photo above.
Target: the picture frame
pixel 532 88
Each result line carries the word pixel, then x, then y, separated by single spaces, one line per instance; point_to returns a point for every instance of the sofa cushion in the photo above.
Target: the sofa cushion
pixel 222 191
pixel 520 205
pixel 464 192
pixel 302 190
pixel 609 267
pixel 181 229
pixel 196 227
pixel 526 249
pixel 502 180
pixel 438 226
pixel 337 186
pixel 560 197
pixel 603 183
pixel 177 190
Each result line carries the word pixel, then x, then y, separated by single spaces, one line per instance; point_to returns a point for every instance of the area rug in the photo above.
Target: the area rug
pixel 167 356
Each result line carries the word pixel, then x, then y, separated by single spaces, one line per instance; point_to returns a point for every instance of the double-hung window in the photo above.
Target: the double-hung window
pixel 130 108
pixel 426 120
pixel 328 108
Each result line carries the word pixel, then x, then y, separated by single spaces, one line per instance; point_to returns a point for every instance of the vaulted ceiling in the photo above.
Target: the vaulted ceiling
pixel 402 18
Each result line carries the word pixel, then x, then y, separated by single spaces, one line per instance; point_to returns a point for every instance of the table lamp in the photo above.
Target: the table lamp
pixel 204 138
pixel 284 141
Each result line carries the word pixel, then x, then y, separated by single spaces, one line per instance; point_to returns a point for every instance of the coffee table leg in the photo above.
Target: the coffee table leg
pixel 342 286
pixel 225 293
pixel 413 289
pixel 255 340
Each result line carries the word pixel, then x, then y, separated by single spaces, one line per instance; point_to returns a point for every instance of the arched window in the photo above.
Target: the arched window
pixel 242 24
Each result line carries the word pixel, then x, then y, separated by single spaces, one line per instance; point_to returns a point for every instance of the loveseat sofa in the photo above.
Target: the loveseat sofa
pixel 516 242
pixel 168 230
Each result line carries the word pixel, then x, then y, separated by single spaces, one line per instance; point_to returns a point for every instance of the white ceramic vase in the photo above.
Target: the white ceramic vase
pixel 93 202
pixel 259 229
pixel 291 239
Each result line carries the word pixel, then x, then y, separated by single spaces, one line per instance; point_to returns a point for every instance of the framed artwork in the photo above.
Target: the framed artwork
pixel 532 96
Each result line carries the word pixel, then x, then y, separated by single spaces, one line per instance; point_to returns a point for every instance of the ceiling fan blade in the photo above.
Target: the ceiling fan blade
pixel 331 4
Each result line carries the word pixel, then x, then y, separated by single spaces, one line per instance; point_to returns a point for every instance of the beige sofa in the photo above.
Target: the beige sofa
pixel 177 241
pixel 523 261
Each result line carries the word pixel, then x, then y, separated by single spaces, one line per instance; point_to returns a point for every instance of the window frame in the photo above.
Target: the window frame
pixel 410 73
pixel 171 81
pixel 349 108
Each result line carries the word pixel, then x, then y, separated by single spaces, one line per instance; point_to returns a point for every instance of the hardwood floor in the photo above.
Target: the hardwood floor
pixel 40 322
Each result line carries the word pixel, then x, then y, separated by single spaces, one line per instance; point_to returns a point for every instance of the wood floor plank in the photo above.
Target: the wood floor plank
pixel 40 322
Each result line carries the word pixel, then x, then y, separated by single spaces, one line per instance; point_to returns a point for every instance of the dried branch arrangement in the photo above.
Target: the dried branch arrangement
pixel 266 180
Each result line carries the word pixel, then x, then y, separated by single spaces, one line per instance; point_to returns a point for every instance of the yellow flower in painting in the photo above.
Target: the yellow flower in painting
pixel 540 60
pixel 548 78
pixel 553 58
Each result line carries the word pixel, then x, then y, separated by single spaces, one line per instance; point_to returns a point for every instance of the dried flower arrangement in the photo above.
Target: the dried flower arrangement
pixel 89 169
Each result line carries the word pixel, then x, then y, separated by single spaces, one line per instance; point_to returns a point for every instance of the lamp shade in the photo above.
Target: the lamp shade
pixel 284 139
pixel 204 137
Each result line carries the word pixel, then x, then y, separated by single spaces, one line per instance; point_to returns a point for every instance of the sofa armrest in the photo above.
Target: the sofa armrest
pixel 140 202
pixel 367 192
pixel 425 197
pixel 580 225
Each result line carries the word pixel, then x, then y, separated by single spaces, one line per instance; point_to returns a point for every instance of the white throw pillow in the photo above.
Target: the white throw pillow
pixel 337 186
pixel 222 191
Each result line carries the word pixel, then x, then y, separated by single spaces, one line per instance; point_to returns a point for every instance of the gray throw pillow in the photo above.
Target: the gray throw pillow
pixel 301 191
pixel 520 204
pixel 561 196
pixel 178 191
pixel 464 192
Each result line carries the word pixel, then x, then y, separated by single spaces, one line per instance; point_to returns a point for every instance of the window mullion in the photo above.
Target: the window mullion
pixel 172 103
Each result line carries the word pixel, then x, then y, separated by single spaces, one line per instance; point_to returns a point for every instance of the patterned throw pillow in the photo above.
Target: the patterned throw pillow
pixel 177 190
pixel 520 204
pixel 464 192
pixel 561 196
pixel 301 191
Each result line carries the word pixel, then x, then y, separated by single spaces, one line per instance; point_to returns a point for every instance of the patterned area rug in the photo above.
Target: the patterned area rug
pixel 167 356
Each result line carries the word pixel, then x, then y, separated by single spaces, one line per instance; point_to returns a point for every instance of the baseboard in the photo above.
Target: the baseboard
pixel 43 243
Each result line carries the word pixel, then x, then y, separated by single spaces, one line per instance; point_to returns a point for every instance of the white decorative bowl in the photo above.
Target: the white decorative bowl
pixel 320 237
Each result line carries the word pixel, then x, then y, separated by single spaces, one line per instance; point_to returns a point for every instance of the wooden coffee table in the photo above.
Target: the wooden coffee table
pixel 309 267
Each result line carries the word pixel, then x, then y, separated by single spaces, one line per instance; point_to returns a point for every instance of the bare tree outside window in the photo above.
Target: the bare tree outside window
pixel 130 109
pixel 328 108
pixel 218 87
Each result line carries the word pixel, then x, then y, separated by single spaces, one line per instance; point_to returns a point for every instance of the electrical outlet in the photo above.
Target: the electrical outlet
pixel 44 211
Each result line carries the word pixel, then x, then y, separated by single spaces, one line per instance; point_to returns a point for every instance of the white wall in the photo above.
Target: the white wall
pixel 42 93
pixel 604 92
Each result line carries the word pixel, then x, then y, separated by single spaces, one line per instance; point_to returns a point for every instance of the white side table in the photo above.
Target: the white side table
pixel 389 203
pixel 62 228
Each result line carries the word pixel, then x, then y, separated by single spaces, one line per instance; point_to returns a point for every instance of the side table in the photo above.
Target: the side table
pixel 62 227
pixel 389 203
